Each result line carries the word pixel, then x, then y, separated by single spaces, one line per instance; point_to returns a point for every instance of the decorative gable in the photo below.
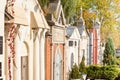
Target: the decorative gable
pixel 75 34
pixel 55 13
pixel 19 16
pixel 96 24
pixel 61 18
pixel 81 26
pixel 72 32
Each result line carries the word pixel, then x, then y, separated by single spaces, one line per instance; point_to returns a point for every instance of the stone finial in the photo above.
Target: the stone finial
pixel 81 12
pixel 81 20
pixel 97 19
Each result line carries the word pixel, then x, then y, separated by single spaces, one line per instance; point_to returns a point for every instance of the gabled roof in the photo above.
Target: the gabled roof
pixel 19 16
pixel 55 13
pixel 81 24
pixel 96 24
pixel 81 30
pixel 70 30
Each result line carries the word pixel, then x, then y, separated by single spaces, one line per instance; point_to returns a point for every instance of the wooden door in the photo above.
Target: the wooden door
pixel 24 68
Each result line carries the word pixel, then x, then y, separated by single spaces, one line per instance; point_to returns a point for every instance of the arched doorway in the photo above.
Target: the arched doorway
pixel 58 66
pixel 21 71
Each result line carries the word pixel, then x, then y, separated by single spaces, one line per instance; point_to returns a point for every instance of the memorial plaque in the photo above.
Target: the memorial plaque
pixel 58 35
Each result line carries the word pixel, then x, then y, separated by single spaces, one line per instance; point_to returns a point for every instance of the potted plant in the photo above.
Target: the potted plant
pixel 82 68
pixel 75 74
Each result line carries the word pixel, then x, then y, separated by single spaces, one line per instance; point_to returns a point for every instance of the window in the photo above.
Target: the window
pixel 1 45
pixel 70 43
pixel 75 43
pixel 0 69
pixel 1 79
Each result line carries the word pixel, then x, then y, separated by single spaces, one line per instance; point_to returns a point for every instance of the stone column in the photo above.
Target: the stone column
pixel 36 54
pixel 30 58
pixel 17 68
pixel 42 55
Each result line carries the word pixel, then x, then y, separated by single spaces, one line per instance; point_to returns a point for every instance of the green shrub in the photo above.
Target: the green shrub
pixel 103 72
pixel 111 72
pixel 118 77
pixel 75 74
pixel 94 72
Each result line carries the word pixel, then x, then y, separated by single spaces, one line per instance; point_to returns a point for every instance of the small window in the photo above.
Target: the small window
pixel 1 45
pixel 1 79
pixel 70 43
pixel 0 69
pixel 75 43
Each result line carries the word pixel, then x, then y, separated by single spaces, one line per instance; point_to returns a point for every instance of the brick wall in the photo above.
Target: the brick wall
pixel 48 59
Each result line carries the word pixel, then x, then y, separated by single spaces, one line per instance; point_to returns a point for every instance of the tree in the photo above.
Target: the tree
pixel 69 8
pixel 43 2
pixel 107 11
pixel 44 5
pixel 118 61
pixel 75 74
pixel 116 37
pixel 109 52
pixel 82 67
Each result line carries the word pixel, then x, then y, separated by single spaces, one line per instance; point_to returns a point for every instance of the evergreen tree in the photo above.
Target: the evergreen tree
pixel 82 67
pixel 75 74
pixel 109 53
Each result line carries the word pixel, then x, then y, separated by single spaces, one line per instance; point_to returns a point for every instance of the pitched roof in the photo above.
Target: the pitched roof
pixel 81 23
pixel 81 29
pixel 55 12
pixel 70 30
pixel 96 23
